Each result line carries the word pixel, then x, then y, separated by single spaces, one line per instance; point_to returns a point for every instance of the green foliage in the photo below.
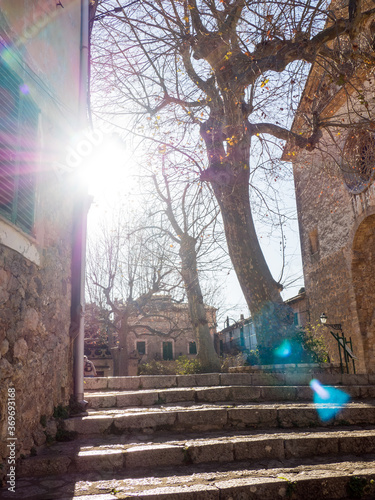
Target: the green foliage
pixel 61 412
pixel 33 452
pixel 307 345
pixel 43 420
pixel 181 366
pixel 230 360
pixel 188 366
pixel 359 486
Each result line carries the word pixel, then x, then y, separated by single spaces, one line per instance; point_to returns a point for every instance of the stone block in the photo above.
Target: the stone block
pixel 185 492
pixel 154 456
pixel 297 417
pixel 185 380
pixel 354 391
pixel 207 419
pixel 99 424
pixel 177 395
pixel 98 460
pixel 157 381
pixel 357 445
pixel 207 379
pixel 214 451
pixel 243 394
pixel 356 416
pixel 278 393
pixel 259 449
pixel 20 349
pixel 139 398
pixel 151 420
pixel 352 379
pixel 254 488
pixel 268 379
pixel 104 401
pixel 311 446
pixel 95 383
pixel 43 466
pixel 235 379
pixel 298 378
pixel 304 393
pixel 124 383
pixel 367 391
pixel 213 394
pixel 252 417
pixel 329 378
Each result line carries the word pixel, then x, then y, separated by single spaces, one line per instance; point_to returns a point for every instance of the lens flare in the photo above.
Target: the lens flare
pixel 24 89
pixel 328 400
pixel 284 350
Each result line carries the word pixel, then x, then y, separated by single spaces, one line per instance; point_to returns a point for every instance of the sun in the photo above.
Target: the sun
pixel 106 168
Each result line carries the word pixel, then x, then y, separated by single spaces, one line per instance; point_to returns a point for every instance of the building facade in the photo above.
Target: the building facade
pixel 40 102
pixel 162 332
pixel 335 195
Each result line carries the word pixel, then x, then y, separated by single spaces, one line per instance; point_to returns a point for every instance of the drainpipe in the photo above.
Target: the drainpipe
pixel 83 206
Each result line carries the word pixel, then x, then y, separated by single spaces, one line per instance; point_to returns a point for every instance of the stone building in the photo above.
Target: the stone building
pixel 335 195
pixel 163 331
pixel 41 103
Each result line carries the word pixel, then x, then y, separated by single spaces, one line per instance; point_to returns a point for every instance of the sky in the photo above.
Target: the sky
pixel 111 179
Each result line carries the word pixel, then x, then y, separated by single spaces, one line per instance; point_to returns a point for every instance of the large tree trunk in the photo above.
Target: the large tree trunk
pixel 206 351
pixel 123 355
pixel 229 176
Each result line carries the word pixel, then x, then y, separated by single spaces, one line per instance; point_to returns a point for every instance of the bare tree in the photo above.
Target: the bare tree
pixel 192 220
pixel 232 71
pixel 124 274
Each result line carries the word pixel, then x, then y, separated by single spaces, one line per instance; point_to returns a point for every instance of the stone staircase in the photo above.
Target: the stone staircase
pixel 210 437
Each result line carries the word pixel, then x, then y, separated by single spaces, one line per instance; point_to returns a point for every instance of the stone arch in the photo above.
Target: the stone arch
pixel 363 275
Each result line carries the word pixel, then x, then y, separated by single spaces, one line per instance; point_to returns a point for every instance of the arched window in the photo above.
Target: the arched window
pixel 358 162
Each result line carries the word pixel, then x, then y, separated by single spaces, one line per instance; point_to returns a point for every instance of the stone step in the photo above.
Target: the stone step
pixel 115 454
pixel 205 417
pixel 144 382
pixel 252 393
pixel 294 479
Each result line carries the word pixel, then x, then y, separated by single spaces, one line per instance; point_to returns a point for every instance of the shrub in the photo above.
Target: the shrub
pixel 305 345
pixel 181 366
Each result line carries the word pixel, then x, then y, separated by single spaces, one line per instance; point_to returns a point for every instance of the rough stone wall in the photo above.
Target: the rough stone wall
pixel 34 339
pixel 329 215
pixel 35 271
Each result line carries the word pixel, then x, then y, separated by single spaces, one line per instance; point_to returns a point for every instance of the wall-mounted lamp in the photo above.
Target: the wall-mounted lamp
pixel 323 318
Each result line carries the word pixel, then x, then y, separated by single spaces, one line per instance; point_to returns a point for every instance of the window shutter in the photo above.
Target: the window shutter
pixel 18 152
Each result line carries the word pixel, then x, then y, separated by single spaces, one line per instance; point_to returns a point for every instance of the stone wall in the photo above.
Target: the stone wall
pixel 35 348
pixel 330 216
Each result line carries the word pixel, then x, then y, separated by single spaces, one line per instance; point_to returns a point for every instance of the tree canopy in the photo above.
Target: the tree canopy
pixel 222 79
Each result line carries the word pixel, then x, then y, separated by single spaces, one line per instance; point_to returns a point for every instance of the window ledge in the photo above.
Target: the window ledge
pixel 14 238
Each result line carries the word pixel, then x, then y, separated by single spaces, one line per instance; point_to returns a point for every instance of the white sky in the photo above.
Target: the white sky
pixel 111 184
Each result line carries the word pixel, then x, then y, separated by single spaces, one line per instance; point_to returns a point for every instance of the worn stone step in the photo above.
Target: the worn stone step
pixel 237 393
pixel 318 479
pixel 115 454
pixel 144 382
pixel 206 417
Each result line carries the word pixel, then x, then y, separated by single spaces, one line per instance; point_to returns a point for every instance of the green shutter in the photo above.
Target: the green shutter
pixel 18 150
pixel 167 351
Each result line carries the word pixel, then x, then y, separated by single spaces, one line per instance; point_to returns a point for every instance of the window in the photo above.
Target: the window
pixel 358 163
pixel 314 241
pixel 18 158
pixel 167 351
pixel 141 347
pixel 296 319
pixel 192 348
